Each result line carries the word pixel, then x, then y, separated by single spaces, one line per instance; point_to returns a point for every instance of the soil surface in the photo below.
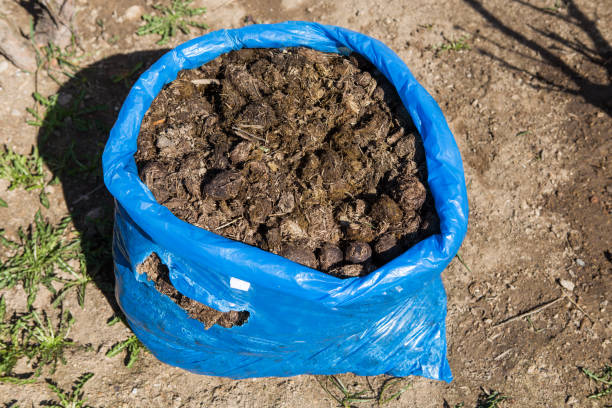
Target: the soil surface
pixel 305 154
pixel 159 273
pixel 529 106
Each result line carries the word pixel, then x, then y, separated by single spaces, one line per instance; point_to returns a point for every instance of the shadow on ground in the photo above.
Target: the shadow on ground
pixel 550 47
pixel 71 141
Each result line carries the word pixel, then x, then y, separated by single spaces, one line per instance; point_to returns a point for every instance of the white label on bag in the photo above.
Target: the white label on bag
pixel 239 284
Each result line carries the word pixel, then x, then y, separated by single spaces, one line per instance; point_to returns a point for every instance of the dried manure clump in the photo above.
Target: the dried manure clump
pixel 159 274
pixel 305 154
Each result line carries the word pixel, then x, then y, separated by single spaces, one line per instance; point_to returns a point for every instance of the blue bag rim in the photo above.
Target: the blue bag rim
pixel 410 270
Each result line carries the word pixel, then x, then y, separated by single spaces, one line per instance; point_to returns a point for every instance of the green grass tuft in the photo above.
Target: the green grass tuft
pixel 347 398
pixel 25 171
pixel 490 399
pixel 54 60
pixel 22 170
pixel 453 45
pixel 14 334
pixel 36 256
pixel 38 340
pixel 72 399
pixel 50 343
pixel 174 16
pixel 463 262
pixel 603 379
pixel 56 116
pixel 132 345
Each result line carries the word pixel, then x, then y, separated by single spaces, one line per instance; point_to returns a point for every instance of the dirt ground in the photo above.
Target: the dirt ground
pixel 529 104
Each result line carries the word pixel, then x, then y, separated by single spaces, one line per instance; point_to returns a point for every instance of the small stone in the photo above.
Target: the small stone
pixel 330 256
pixel 357 252
pixel 300 255
pixel 224 186
pixel 571 400
pixel 580 262
pixel 567 284
pixel 477 290
pixel 133 13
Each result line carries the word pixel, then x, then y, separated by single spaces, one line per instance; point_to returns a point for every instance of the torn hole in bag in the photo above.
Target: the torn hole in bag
pixel 159 274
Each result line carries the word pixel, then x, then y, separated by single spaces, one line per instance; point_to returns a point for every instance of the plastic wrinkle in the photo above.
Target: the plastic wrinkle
pixel 301 320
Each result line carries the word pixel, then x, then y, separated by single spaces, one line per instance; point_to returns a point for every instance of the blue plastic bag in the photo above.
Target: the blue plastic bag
pixel 301 320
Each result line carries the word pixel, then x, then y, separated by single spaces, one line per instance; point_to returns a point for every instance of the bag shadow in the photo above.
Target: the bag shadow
pixel 75 127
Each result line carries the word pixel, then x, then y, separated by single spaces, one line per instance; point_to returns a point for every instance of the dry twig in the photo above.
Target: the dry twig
pixel 529 312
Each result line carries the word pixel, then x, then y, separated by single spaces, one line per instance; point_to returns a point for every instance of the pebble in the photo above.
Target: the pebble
pixel 580 262
pixel 133 13
pixel 571 400
pixel 569 285
pixel 3 65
